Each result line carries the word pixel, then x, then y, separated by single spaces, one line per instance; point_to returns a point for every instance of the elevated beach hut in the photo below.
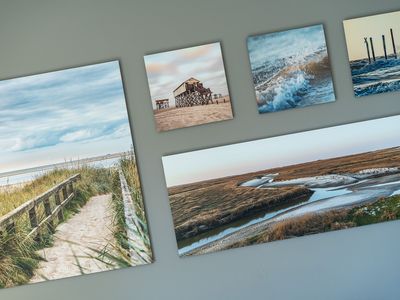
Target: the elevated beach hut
pixel 192 92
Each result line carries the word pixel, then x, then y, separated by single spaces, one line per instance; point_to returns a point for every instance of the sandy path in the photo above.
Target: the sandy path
pixel 91 227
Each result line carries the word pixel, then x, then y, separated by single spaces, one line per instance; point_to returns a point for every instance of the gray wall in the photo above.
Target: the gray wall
pixel 361 263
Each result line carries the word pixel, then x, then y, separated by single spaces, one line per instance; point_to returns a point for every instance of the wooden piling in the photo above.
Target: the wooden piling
pixel 372 48
pixel 384 45
pixel 366 45
pixel 393 43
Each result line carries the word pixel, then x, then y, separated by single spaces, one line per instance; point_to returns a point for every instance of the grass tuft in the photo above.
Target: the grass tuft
pixel 18 258
pixel 129 168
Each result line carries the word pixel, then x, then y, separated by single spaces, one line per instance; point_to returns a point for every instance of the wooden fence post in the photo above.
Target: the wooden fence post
pixel 58 202
pixel 47 209
pixel 8 222
pixel 71 188
pixel 64 192
pixel 33 218
pixel 10 228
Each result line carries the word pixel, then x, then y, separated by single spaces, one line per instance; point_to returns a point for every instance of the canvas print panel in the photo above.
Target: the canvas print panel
pixel 188 87
pixel 266 190
pixel 373 45
pixel 290 69
pixel 70 197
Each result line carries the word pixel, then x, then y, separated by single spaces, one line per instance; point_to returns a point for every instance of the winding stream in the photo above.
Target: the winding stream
pixel 322 199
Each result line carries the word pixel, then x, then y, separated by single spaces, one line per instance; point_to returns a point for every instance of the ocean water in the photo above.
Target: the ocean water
pixel 378 77
pixel 290 69
pixel 29 176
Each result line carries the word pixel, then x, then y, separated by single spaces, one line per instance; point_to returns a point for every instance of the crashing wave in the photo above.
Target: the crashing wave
pixel 290 84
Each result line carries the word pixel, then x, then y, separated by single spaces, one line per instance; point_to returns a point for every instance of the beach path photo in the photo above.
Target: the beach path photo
pixel 70 193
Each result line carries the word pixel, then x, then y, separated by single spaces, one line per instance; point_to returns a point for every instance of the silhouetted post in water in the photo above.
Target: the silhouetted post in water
pixel 384 45
pixel 372 48
pixel 367 45
pixel 393 43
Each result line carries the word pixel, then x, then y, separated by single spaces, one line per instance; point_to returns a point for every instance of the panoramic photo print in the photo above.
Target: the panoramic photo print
pixel 262 191
pixel 290 69
pixel 70 195
pixel 372 44
pixel 188 87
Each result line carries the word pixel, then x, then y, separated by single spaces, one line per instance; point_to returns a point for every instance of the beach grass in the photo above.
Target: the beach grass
pixel 129 168
pixel 18 258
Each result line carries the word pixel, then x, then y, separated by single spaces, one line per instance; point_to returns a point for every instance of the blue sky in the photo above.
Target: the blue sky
pixel 166 70
pixel 62 115
pixel 281 151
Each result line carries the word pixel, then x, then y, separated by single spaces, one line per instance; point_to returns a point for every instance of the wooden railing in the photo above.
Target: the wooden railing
pixel 137 248
pixel 66 188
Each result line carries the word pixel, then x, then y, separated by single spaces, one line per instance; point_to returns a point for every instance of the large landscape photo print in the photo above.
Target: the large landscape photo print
pixel 287 186
pixel 373 45
pixel 70 194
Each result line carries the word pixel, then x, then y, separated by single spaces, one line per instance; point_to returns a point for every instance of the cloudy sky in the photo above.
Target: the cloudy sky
pixel 281 151
pixel 372 26
pixel 63 115
pixel 167 70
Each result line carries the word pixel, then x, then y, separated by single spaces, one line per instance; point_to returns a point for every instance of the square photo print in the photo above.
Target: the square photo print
pixel 266 190
pixel 290 69
pixel 373 43
pixel 188 87
pixel 70 195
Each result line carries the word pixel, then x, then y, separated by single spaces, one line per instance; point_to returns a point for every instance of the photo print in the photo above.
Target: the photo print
pixel 70 195
pixel 188 87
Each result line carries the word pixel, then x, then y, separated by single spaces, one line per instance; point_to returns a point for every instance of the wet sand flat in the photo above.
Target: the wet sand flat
pixel 191 116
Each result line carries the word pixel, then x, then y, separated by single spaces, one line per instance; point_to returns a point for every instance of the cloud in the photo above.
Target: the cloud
pixel 77 135
pixel 80 105
pixel 30 143
pixel 197 52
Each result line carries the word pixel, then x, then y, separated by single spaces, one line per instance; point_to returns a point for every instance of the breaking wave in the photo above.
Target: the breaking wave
pixel 296 83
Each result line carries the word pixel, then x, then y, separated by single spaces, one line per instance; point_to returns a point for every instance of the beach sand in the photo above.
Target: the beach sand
pixel 174 118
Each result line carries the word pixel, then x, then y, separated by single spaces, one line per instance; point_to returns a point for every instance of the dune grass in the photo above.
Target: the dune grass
pixel 18 258
pixel 14 197
pixel 129 168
